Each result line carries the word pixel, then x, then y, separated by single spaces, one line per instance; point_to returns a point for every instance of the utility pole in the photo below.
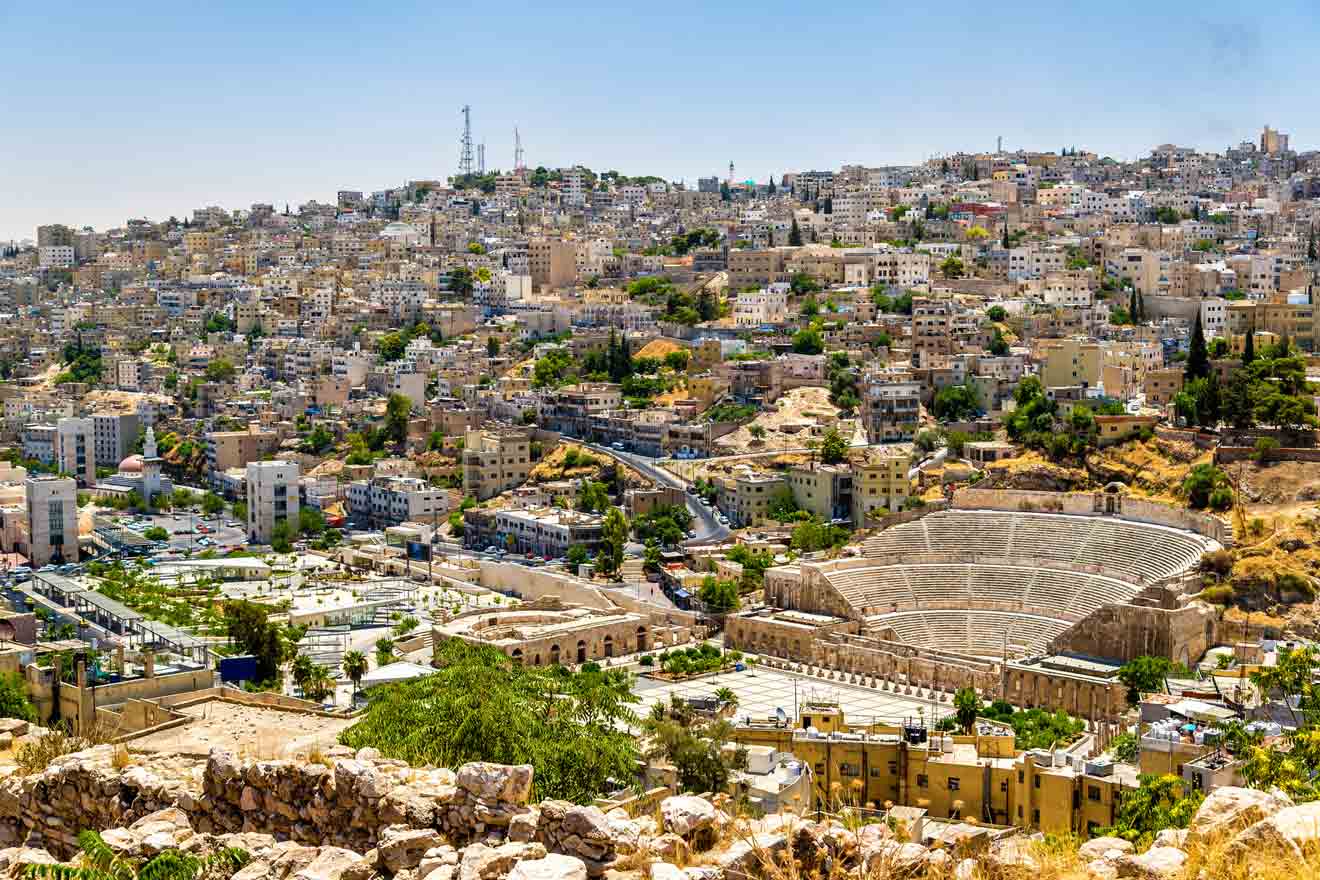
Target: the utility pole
pixel 481 159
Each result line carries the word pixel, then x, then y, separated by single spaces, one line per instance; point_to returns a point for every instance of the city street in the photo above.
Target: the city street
pixel 707 526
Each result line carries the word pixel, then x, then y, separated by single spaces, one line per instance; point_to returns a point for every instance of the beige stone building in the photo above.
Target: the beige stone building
pixel 495 459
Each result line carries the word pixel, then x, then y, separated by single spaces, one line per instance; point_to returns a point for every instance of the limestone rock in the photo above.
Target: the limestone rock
pixel 1102 847
pixel 401 847
pixel 331 863
pixel 1101 869
pixel 752 856
pixel 1172 837
pixel 522 826
pixel 966 869
pixel 1289 833
pixel 1156 863
pixel 1230 809
pixel 552 867
pixel 496 782
pixel 665 871
pixel 684 815
pixel 669 847
pixel 481 862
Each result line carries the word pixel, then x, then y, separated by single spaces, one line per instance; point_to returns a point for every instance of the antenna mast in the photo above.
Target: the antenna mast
pixel 517 150
pixel 481 158
pixel 465 154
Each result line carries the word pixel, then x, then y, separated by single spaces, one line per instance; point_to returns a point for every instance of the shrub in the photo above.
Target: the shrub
pixel 35 756
pixel 1218 595
pixel 1286 582
pixel 647 660
pixel 1218 561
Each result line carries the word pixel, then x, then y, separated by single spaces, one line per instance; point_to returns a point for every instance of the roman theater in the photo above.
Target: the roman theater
pixel 1033 597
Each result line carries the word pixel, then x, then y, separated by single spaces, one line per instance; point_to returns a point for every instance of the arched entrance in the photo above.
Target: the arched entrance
pixel 517 656
pixel 582 652
pixel 554 655
pixel 609 646
pixel 641 639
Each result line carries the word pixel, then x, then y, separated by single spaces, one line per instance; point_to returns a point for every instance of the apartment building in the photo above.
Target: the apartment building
pixel 115 436
pixel 891 407
pixel 52 515
pixel 272 498
pixel 495 459
pixel 75 453
pixel 764 306
pixel 825 490
pixel 1068 362
pixel 552 263
pixel 981 777
pixel 569 410
pixel 39 443
pixel 235 449
pixel 745 499
pixel 390 500
pixel 880 482
pixel 757 268
pixel 548 531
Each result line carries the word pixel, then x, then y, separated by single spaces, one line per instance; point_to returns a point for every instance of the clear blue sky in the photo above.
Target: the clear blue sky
pixel 144 109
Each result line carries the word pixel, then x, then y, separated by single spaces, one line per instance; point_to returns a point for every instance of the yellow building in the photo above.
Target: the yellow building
pixel 1076 361
pixel 880 482
pixel 746 498
pixel 980 776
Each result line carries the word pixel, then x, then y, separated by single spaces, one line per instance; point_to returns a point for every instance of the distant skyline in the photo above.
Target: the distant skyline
pixel 113 113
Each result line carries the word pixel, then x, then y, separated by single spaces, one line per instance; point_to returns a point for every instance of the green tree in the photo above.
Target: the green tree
pixel 952 267
pixel 212 504
pixel 248 625
pixel 1207 486
pixel 966 707
pixel 479 705
pixel 593 497
pixel 997 314
pixel 281 537
pixel 794 235
pixel 808 341
pixel 1249 349
pixel 1144 675
pixel 354 665
pixel 1158 802
pixel 14 702
pixel 833 448
pixel 398 409
pixel 156 533
pixel 577 555
pixel 311 521
pixel 719 596
pixel 956 403
pixel 698 749
pixel 614 535
pixel 1198 357
pixel 384 651
pixel 220 370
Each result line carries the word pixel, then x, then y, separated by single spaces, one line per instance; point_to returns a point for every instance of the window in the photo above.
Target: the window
pixel 1003 786
pixel 1021 777
pixel 954 783
pixel 1093 792
pixel 1035 817
pixel 922 781
pixel 849 770
pixel 1036 780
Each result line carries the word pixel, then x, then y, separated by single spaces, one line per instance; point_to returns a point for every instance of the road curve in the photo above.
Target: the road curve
pixel 707 526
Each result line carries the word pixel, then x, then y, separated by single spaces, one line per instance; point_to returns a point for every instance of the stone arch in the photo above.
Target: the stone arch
pixel 581 651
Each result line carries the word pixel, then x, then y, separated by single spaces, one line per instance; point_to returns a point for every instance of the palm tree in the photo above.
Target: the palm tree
pixel 319 685
pixel 302 669
pixel 354 665
pixel 726 696
pixel 101 863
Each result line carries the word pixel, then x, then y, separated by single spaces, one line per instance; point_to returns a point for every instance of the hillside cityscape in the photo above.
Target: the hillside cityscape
pixel 952 520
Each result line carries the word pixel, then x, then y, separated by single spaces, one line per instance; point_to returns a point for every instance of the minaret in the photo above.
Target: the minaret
pixel 151 465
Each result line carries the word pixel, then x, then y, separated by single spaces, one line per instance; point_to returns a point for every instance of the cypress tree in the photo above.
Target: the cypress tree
pixel 1198 358
pixel 795 235
pixel 1249 350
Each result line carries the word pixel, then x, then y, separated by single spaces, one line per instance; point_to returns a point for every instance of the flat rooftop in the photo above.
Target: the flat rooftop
pixel 254 732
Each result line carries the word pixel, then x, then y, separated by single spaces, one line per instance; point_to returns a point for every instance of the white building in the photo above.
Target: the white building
pixel 387 501
pixel 272 498
pixel 75 450
pixel 769 305
pixel 52 514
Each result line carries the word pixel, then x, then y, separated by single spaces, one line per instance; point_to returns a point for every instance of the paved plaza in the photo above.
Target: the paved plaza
pixel 761 691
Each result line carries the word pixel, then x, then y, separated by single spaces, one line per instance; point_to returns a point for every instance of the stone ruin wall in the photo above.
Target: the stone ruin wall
pixel 346 801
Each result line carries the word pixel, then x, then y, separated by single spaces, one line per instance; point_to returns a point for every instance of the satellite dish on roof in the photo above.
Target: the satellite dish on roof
pixel 780 715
